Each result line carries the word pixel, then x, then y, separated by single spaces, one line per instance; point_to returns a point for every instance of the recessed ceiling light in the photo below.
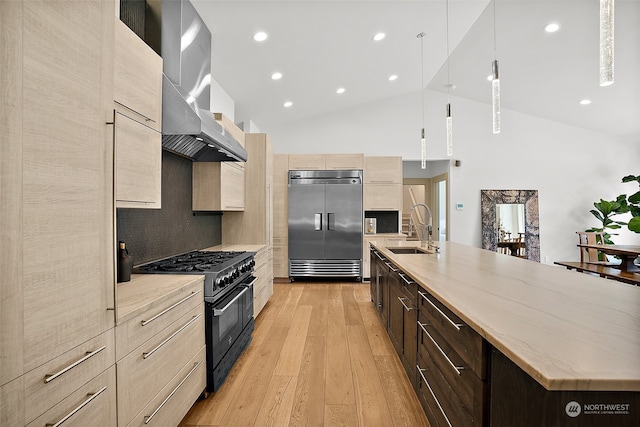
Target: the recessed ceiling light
pixel 552 27
pixel 276 76
pixel 393 77
pixel 260 36
pixel 288 104
pixel 340 90
pixel 585 102
pixel 379 36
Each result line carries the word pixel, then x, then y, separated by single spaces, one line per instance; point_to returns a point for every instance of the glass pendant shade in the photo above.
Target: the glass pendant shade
pixel 606 42
pixel 495 97
pixel 423 151
pixel 449 132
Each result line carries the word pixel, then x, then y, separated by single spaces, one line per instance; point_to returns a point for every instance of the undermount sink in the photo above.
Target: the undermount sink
pixel 406 250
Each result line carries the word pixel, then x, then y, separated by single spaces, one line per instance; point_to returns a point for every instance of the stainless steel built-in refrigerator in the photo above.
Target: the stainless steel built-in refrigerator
pixel 325 223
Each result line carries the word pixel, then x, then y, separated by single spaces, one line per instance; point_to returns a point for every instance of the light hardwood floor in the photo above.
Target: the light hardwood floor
pixel 319 357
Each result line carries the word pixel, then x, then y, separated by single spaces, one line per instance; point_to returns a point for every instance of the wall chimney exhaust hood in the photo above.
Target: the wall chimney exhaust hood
pixel 176 32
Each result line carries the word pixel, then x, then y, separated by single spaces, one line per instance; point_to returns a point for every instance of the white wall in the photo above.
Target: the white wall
pixel 221 102
pixel 570 167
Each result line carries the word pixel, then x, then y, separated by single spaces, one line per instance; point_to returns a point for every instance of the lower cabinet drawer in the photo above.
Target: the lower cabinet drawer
pixel 148 323
pixel 91 404
pixel 439 399
pixel 147 369
pixel 466 342
pixel 171 404
pixel 46 385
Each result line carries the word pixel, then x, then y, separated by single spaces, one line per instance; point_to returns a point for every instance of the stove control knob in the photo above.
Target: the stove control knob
pixel 218 282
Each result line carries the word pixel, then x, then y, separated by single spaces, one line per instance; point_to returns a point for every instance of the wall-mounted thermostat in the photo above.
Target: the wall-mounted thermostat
pixel 459 206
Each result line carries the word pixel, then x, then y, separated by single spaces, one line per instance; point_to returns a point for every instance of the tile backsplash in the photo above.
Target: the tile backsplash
pixel 151 234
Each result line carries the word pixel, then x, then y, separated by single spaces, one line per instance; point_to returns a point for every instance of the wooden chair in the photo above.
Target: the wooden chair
pixel 590 255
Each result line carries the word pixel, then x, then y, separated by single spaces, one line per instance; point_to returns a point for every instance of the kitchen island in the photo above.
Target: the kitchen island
pixel 546 346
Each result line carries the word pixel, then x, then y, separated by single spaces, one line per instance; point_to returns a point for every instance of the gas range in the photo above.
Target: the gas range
pixel 222 269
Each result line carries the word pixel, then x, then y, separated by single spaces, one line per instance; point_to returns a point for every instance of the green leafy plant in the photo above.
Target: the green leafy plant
pixel 633 204
pixel 604 211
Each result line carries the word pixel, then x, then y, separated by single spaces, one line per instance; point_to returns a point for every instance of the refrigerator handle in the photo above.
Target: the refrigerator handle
pixel 331 221
pixel 318 221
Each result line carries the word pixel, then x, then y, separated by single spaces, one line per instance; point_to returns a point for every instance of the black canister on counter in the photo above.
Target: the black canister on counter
pixel 125 263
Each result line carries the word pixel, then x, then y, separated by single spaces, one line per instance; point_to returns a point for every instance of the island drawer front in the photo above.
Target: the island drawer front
pixel 47 384
pixel 171 404
pixel 464 383
pixel 132 333
pixel 464 340
pixel 148 368
pixel 441 404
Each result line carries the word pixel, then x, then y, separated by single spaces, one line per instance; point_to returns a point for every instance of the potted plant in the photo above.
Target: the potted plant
pixel 633 204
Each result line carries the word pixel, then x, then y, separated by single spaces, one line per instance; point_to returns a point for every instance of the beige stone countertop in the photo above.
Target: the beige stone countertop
pixel 236 247
pixel 567 330
pixel 145 291
pixel 384 235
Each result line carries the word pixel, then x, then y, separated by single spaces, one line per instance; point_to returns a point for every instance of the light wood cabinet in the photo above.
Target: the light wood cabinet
pixel 137 92
pixel 218 186
pixel 160 331
pixel 382 190
pixel 382 197
pixel 95 400
pixel 256 224
pixel 280 215
pixel 171 404
pixel 138 151
pixel 230 127
pixel 11 199
pixel 306 162
pixel 383 170
pixel 344 161
pixel 66 373
pixel 57 284
pixel 137 77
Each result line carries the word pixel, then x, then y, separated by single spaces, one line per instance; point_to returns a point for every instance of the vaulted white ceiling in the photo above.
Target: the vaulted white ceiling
pixel 320 46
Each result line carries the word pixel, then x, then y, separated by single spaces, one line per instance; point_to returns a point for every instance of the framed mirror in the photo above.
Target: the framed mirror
pixel 493 202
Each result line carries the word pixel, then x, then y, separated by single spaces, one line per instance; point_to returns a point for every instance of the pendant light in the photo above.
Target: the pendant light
pixel 423 140
pixel 449 121
pixel 606 42
pixel 495 82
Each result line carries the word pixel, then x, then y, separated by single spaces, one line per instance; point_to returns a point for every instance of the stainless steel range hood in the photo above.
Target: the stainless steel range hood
pixel 176 32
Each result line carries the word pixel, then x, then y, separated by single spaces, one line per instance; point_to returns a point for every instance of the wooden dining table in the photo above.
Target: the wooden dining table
pixel 513 245
pixel 627 253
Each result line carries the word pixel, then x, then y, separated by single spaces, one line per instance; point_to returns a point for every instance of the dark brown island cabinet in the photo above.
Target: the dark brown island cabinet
pixel 461 380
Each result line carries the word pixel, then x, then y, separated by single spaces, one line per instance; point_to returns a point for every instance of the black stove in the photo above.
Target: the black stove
pixel 228 297
pixel 221 269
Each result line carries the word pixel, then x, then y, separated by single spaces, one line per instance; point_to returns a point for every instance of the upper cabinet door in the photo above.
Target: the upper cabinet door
pixel 344 161
pixel 138 164
pixel 137 77
pixel 383 170
pixel 306 162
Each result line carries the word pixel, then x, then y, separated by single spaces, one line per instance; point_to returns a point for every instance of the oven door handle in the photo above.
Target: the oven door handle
pixel 250 284
pixel 220 311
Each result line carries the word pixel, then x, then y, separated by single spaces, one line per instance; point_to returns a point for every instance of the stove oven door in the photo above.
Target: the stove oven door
pixel 225 321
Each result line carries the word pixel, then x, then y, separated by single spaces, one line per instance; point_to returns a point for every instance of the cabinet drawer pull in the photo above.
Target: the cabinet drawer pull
pixel 408 282
pixel 420 371
pixel 391 267
pixel 456 368
pixel 454 324
pixel 404 305
pixel 149 353
pixel 146 322
pixel 386 181
pixel 50 377
pixel 147 419
pixel 378 255
pixel 91 396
